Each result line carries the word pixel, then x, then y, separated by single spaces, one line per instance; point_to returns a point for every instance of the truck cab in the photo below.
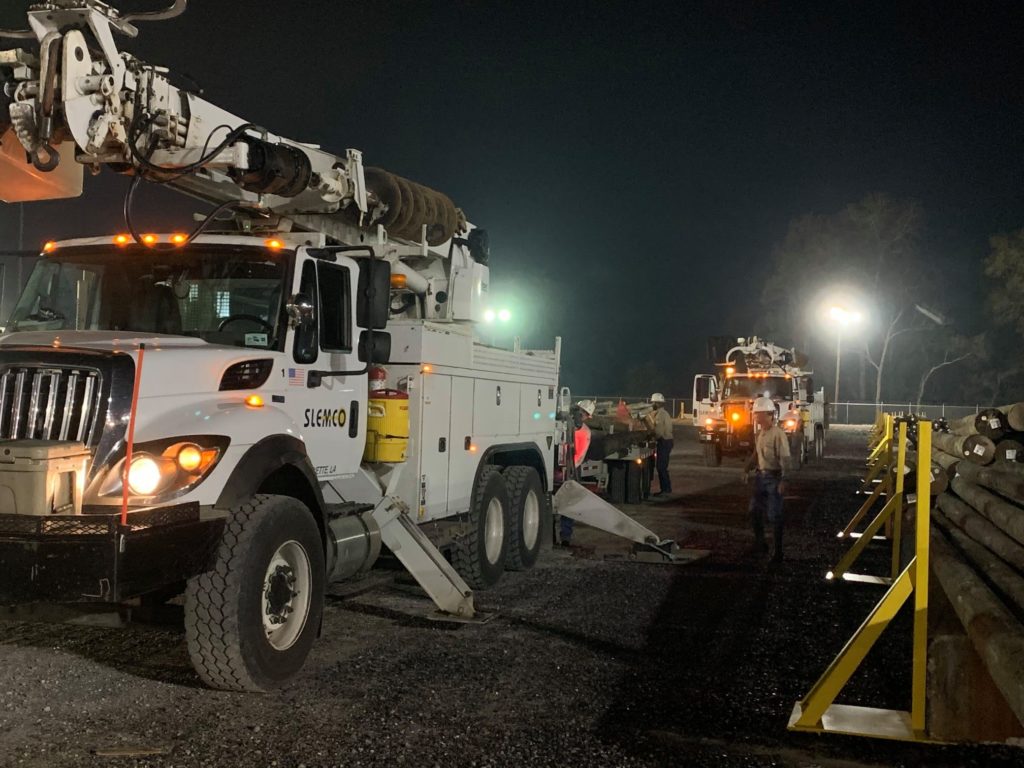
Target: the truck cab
pixel 754 369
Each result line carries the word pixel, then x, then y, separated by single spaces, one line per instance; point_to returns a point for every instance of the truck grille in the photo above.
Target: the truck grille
pixel 49 403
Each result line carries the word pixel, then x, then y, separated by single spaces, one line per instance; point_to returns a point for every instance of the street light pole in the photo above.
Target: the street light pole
pixel 839 345
pixel 843 319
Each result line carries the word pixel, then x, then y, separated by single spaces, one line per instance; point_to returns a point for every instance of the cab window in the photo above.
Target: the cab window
pixel 335 308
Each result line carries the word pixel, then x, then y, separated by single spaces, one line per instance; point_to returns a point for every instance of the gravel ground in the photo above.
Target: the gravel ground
pixel 589 661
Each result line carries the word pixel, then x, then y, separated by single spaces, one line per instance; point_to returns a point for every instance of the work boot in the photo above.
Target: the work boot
pixel 759 548
pixel 777 552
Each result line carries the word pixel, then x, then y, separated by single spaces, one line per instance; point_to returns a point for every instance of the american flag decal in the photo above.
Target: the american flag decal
pixel 296 377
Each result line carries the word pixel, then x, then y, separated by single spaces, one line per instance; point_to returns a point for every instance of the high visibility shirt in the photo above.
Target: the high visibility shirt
pixel 771 446
pixel 662 425
pixel 582 443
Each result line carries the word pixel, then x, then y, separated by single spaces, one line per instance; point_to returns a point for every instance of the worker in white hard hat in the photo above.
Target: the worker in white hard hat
pixel 583 411
pixel 586 410
pixel 770 459
pixel 663 442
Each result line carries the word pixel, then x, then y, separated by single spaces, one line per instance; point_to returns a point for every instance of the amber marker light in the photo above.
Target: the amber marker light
pixel 122 239
pixel 149 239
pixel 50 246
pixel 254 401
pixel 427 368
pixel 735 416
pixel 179 239
pixel 274 244
pixel 399 281
pixel 190 458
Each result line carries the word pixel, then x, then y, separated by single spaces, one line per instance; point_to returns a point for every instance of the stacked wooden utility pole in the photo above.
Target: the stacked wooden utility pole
pixel 977 546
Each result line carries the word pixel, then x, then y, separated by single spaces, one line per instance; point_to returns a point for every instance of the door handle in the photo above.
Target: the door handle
pixel 353 423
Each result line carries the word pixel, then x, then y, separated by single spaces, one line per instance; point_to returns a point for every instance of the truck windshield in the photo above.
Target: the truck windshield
pixel 751 387
pixel 222 295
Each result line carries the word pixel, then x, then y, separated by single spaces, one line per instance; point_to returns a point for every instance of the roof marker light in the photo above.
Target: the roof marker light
pixel 274 244
pixel 122 239
pixel 179 239
pixel 50 246
pixel 149 239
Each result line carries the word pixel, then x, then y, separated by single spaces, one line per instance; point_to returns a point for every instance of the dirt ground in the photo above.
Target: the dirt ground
pixel 589 661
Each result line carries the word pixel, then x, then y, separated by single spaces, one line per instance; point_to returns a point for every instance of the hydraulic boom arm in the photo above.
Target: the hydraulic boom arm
pixel 69 90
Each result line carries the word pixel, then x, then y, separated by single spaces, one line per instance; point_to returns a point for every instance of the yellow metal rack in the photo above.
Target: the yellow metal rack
pixel 891 464
pixel 817 712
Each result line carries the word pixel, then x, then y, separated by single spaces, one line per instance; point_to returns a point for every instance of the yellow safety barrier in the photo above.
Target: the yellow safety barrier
pixel 817 712
pixel 892 467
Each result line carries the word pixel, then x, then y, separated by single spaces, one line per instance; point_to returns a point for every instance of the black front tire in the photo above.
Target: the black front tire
pixel 528 513
pixel 712 454
pixel 477 555
pixel 226 608
pixel 819 443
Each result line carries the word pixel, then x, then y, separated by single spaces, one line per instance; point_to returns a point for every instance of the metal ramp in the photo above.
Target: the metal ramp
pixel 576 502
pixel 423 560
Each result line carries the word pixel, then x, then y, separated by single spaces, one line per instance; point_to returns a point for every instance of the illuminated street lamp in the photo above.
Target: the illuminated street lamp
pixel 843 319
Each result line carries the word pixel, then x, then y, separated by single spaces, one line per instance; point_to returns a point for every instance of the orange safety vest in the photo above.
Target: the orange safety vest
pixel 582 443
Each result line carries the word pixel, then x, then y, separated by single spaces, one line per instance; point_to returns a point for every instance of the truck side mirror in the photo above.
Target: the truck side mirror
pixel 302 317
pixel 377 350
pixel 810 397
pixel 373 297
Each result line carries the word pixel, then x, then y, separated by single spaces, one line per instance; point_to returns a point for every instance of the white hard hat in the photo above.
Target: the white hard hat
pixel 657 397
pixel 587 406
pixel 764 405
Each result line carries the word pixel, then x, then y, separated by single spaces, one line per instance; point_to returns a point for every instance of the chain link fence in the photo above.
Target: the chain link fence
pixel 839 413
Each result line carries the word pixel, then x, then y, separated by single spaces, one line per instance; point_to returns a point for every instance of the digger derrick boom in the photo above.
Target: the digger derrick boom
pixel 71 98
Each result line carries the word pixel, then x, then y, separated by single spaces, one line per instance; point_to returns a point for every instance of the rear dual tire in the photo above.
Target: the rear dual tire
pixel 505 526
pixel 529 517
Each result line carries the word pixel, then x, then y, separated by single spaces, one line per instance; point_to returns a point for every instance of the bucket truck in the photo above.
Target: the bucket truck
pixel 723 402
pixel 252 409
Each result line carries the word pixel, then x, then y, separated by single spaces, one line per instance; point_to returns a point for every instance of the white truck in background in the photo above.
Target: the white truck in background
pixel 723 402
pixel 194 409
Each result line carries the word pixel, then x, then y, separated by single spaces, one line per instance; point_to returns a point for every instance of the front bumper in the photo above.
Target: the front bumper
pixel 729 440
pixel 93 558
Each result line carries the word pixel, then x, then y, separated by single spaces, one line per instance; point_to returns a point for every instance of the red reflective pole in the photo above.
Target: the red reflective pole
pixel 131 436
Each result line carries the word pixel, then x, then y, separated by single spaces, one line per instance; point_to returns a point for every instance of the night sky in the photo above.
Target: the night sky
pixel 634 163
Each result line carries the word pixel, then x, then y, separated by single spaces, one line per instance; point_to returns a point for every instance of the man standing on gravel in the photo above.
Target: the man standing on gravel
pixel 771 459
pixel 663 442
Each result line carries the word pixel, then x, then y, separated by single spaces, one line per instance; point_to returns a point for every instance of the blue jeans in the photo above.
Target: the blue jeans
pixel 566 527
pixel 767 501
pixel 664 449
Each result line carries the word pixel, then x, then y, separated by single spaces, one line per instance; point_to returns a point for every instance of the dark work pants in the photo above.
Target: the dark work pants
pixel 767 502
pixel 664 449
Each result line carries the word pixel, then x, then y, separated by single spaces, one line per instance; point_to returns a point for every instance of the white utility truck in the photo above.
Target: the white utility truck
pixel 723 402
pixel 195 409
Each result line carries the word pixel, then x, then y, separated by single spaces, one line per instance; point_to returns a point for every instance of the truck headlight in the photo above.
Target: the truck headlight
pixel 144 475
pixel 164 469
